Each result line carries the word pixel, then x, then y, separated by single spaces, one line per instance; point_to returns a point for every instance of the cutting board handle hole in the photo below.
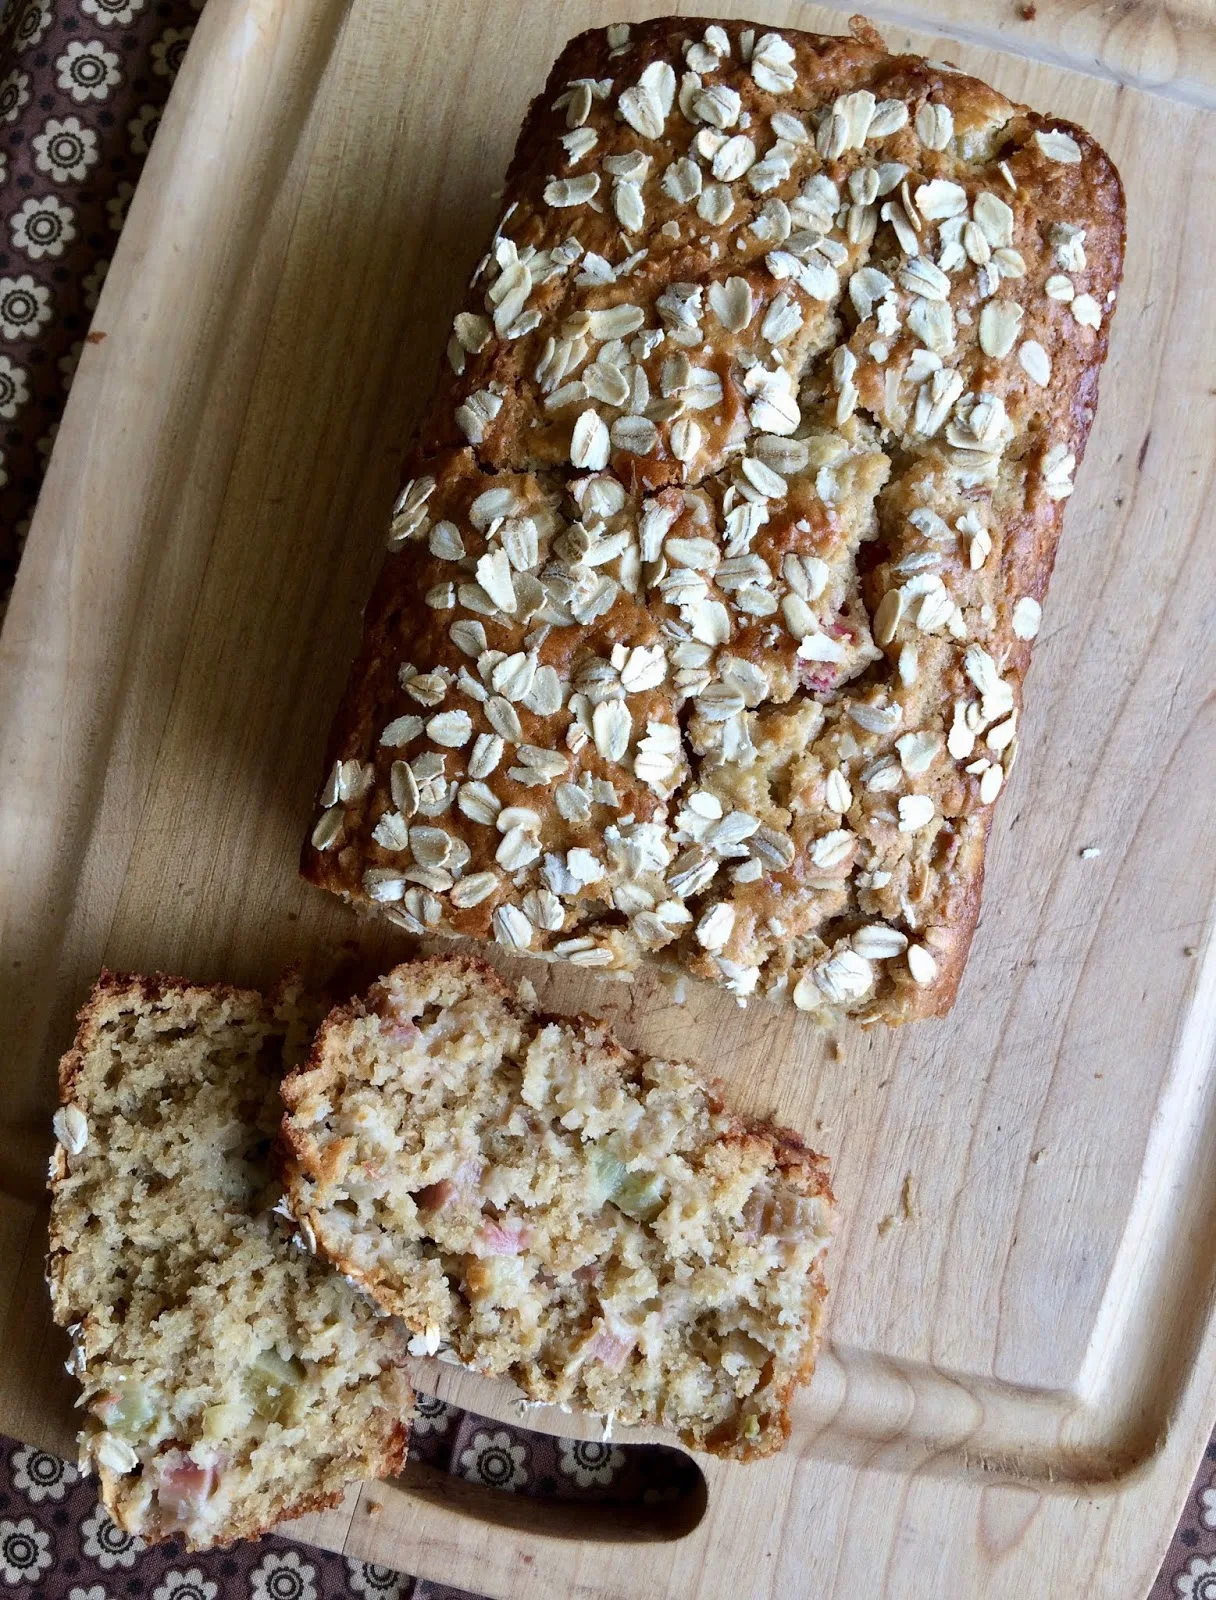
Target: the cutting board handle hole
pixel 669 1499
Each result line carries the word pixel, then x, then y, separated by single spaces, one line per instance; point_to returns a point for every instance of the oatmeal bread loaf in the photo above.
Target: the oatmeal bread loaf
pixel 540 1203
pixel 712 586
pixel 229 1379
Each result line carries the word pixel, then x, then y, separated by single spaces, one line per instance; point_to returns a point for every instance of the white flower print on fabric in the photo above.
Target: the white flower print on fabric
pixel 95 1592
pixel 116 209
pixel 590 1461
pixel 142 128
pixel 1198 1582
pixel 495 1460
pixel 432 1415
pixel 3 166
pixel 188 1585
pixel 14 392
pixel 37 1475
pixel 283 1576
pixel 65 148
pixel 24 307
pixel 3 471
pixel 1207 1499
pixel 25 1552
pixel 87 71
pixel 35 19
pixel 14 93
pixel 113 13
pixel 379 1583
pixel 169 51
pixel 103 1541
pixel 42 227
pixel 91 284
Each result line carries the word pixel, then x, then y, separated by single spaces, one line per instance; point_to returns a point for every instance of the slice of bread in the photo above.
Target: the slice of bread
pixel 229 1379
pixel 592 1223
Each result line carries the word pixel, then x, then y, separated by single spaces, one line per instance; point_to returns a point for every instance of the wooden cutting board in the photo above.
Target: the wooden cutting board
pixel 1021 1367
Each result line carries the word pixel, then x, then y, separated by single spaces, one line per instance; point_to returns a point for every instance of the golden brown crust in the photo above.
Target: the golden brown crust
pixel 905 327
pixel 139 988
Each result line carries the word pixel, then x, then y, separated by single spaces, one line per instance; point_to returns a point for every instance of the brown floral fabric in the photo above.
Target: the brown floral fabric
pixel 1189 1569
pixel 58 1543
pixel 82 87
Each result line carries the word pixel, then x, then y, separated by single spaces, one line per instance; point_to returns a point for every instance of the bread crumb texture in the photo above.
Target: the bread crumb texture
pixel 229 1379
pixel 537 1202
pixel 713 580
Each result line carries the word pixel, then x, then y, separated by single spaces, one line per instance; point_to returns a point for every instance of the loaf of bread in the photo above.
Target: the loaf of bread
pixel 539 1203
pixel 229 1379
pixel 712 586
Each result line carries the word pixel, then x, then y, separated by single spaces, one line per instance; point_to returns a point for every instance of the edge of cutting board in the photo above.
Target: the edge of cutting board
pixel 866 1503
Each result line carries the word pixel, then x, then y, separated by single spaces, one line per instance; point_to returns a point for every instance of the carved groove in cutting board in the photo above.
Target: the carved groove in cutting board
pixel 557 1519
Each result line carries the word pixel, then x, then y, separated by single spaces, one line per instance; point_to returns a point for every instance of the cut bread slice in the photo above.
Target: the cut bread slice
pixel 592 1223
pixel 229 1379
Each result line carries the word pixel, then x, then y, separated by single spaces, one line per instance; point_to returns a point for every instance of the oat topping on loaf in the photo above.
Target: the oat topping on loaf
pixel 533 1198
pixel 229 1379
pixel 712 586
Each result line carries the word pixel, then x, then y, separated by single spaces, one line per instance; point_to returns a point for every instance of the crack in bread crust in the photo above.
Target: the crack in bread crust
pixel 713 582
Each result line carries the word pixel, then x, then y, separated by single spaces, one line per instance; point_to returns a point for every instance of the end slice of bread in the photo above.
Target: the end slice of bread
pixel 230 1380
pixel 594 1224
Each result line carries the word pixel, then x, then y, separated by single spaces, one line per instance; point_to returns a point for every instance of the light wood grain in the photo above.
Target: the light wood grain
pixel 1167 47
pixel 1021 1374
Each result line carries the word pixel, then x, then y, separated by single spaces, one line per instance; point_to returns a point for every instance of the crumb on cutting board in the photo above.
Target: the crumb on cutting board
pixel 907 1211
